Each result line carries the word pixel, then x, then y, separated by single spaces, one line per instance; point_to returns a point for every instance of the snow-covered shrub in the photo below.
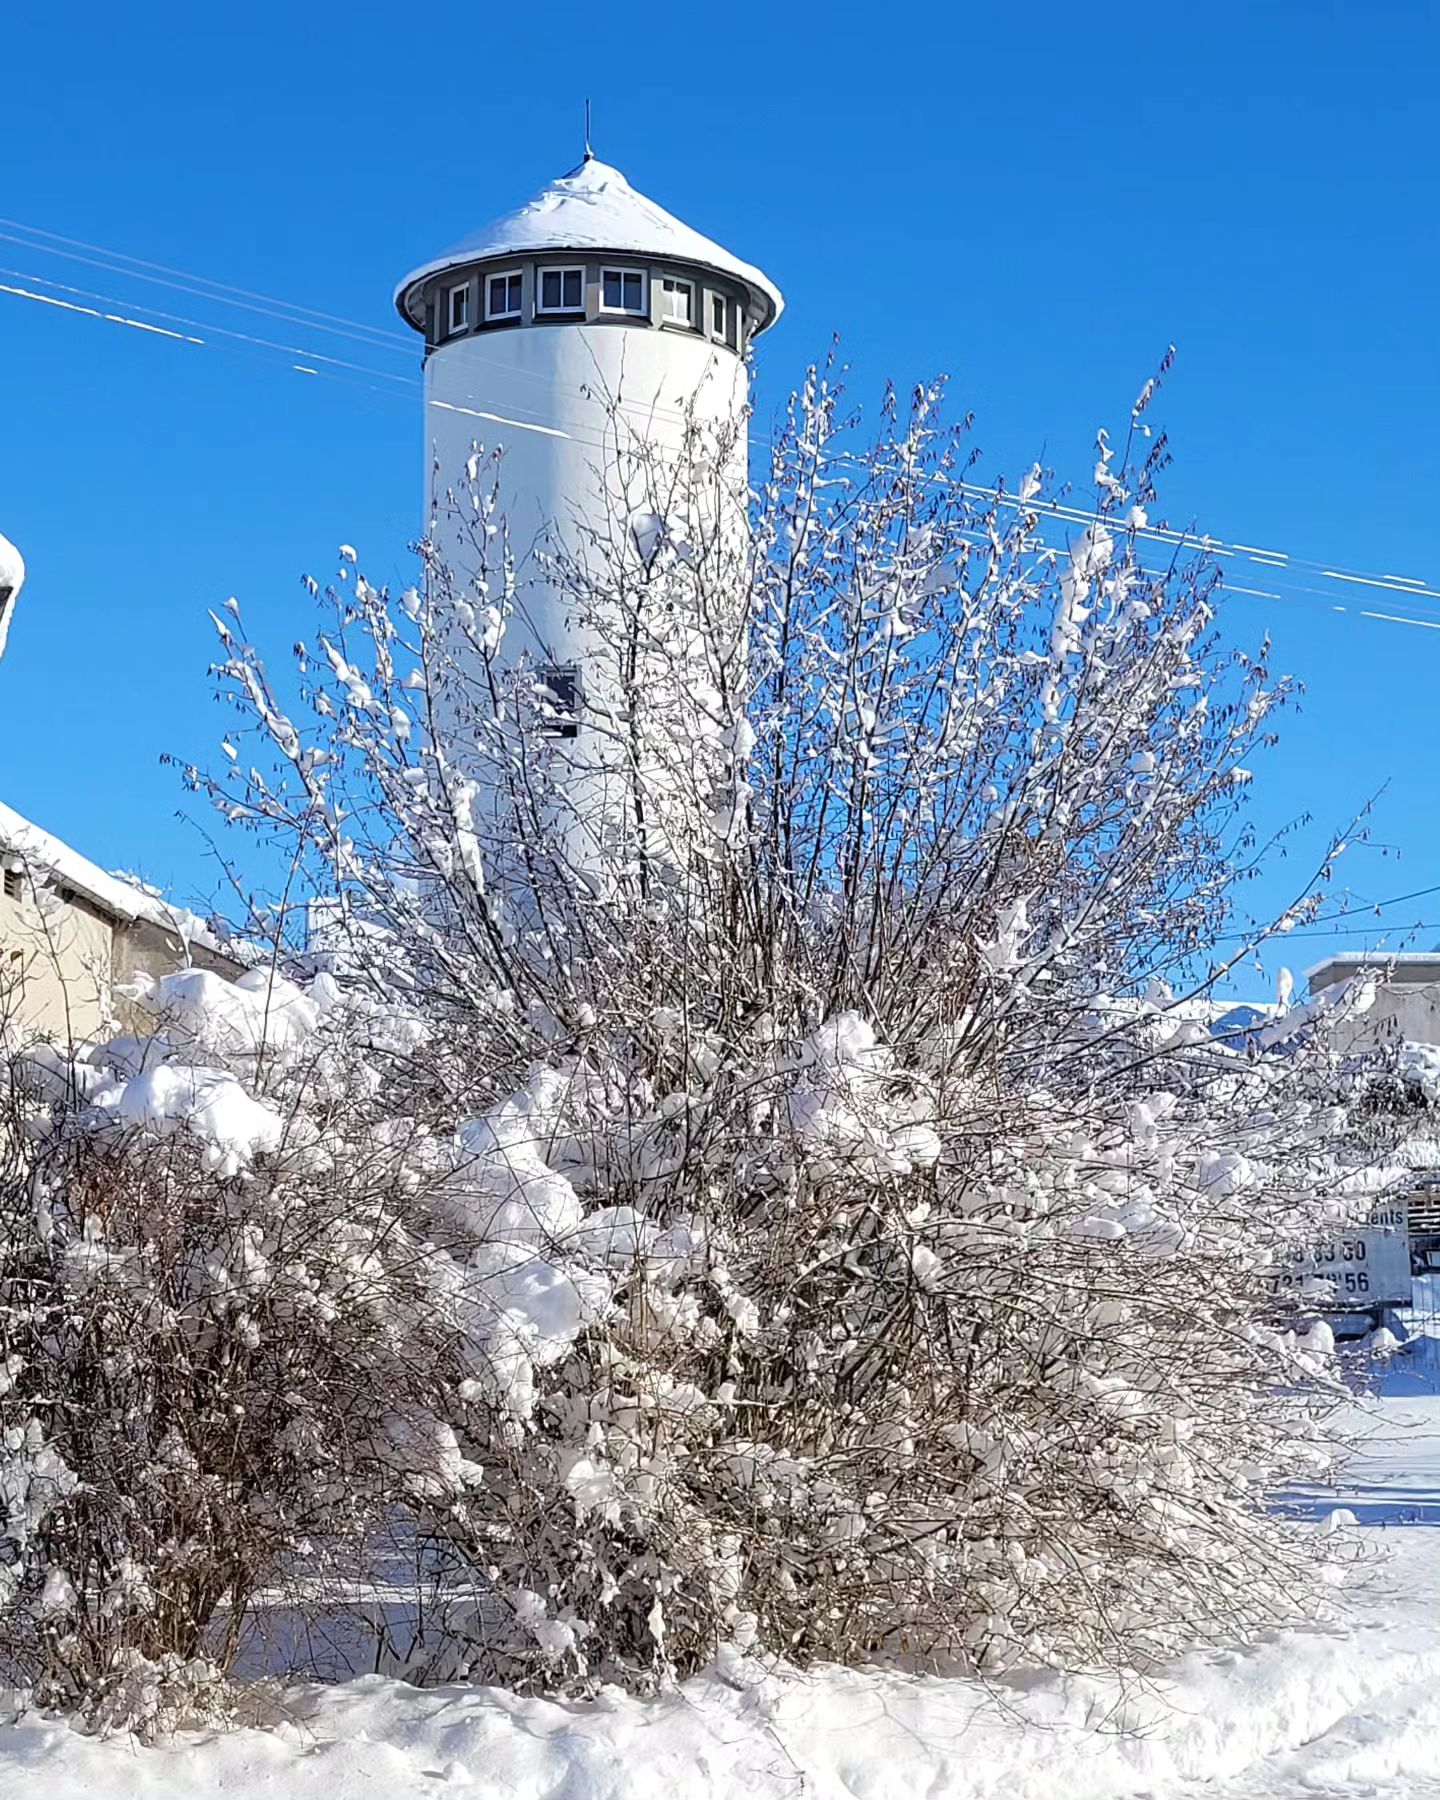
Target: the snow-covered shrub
pixel 216 1372
pixel 896 1368
pixel 824 1225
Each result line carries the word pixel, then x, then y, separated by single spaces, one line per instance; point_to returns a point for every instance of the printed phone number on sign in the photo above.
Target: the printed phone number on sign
pixel 1344 1281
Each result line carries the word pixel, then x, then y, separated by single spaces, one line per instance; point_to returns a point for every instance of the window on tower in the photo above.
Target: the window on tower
pixel 458 309
pixel 623 291
pixel 677 302
pixel 560 701
pixel 561 291
pixel 724 315
pixel 502 296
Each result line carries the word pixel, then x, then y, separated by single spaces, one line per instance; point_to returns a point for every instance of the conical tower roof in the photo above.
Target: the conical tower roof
pixel 593 208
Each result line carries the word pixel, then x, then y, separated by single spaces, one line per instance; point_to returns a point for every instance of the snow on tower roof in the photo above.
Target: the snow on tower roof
pixel 593 208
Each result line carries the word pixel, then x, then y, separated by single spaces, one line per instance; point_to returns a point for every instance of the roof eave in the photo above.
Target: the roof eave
pixel 1358 962
pixel 772 301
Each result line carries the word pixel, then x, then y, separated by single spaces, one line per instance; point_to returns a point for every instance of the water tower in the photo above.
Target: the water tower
pixel 599 344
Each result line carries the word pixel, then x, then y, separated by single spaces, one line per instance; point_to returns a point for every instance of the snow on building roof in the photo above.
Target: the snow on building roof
pixel 12 576
pixel 124 900
pixel 1353 962
pixel 593 208
pixel 12 565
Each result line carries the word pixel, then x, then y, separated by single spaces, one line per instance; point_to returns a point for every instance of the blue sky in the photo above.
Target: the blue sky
pixel 1032 200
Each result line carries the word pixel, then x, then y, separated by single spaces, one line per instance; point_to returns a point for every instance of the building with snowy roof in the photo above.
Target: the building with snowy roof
pixel 73 939
pixel 1390 1000
pixel 1394 996
pixel 600 344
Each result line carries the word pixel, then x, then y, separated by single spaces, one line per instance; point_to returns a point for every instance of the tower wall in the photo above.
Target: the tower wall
pixel 609 437
pixel 570 406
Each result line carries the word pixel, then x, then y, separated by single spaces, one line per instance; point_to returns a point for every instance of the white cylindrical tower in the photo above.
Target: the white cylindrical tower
pixel 599 345
pixel 12 579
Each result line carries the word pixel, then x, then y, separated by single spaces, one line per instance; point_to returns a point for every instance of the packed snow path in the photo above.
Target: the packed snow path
pixel 1351 1712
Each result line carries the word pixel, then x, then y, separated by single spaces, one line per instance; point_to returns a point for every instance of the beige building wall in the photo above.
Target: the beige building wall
pixel 1406 1004
pixel 1410 1013
pixel 56 966
pixel 142 948
pixel 62 960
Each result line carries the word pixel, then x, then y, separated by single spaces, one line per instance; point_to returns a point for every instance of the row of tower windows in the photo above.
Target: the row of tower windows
pixel 560 293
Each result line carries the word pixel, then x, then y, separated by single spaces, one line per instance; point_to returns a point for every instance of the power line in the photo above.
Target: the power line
pixel 281 311
pixel 141 270
pixel 195 325
pixel 639 410
pixel 1280 567
pixel 1270 936
pixel 138 268
pixel 406 391
pixel 1399 587
pixel 1324 926
pixel 1376 905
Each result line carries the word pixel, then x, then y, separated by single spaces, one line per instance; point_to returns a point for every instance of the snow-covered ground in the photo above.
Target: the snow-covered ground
pixel 1344 1712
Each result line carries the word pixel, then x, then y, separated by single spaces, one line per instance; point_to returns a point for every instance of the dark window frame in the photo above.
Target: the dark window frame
pixel 561 684
pixel 622 274
pixel 676 284
pixel 564 308
pixel 509 315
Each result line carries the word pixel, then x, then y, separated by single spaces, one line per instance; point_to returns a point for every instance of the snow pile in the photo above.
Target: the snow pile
pixel 517 1314
pixel 210 1103
pixel 209 1018
pixel 502 1187
pixel 1418 1065
pixel 852 1110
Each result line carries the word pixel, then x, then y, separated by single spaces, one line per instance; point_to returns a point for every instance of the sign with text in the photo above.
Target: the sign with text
pixel 1358 1269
